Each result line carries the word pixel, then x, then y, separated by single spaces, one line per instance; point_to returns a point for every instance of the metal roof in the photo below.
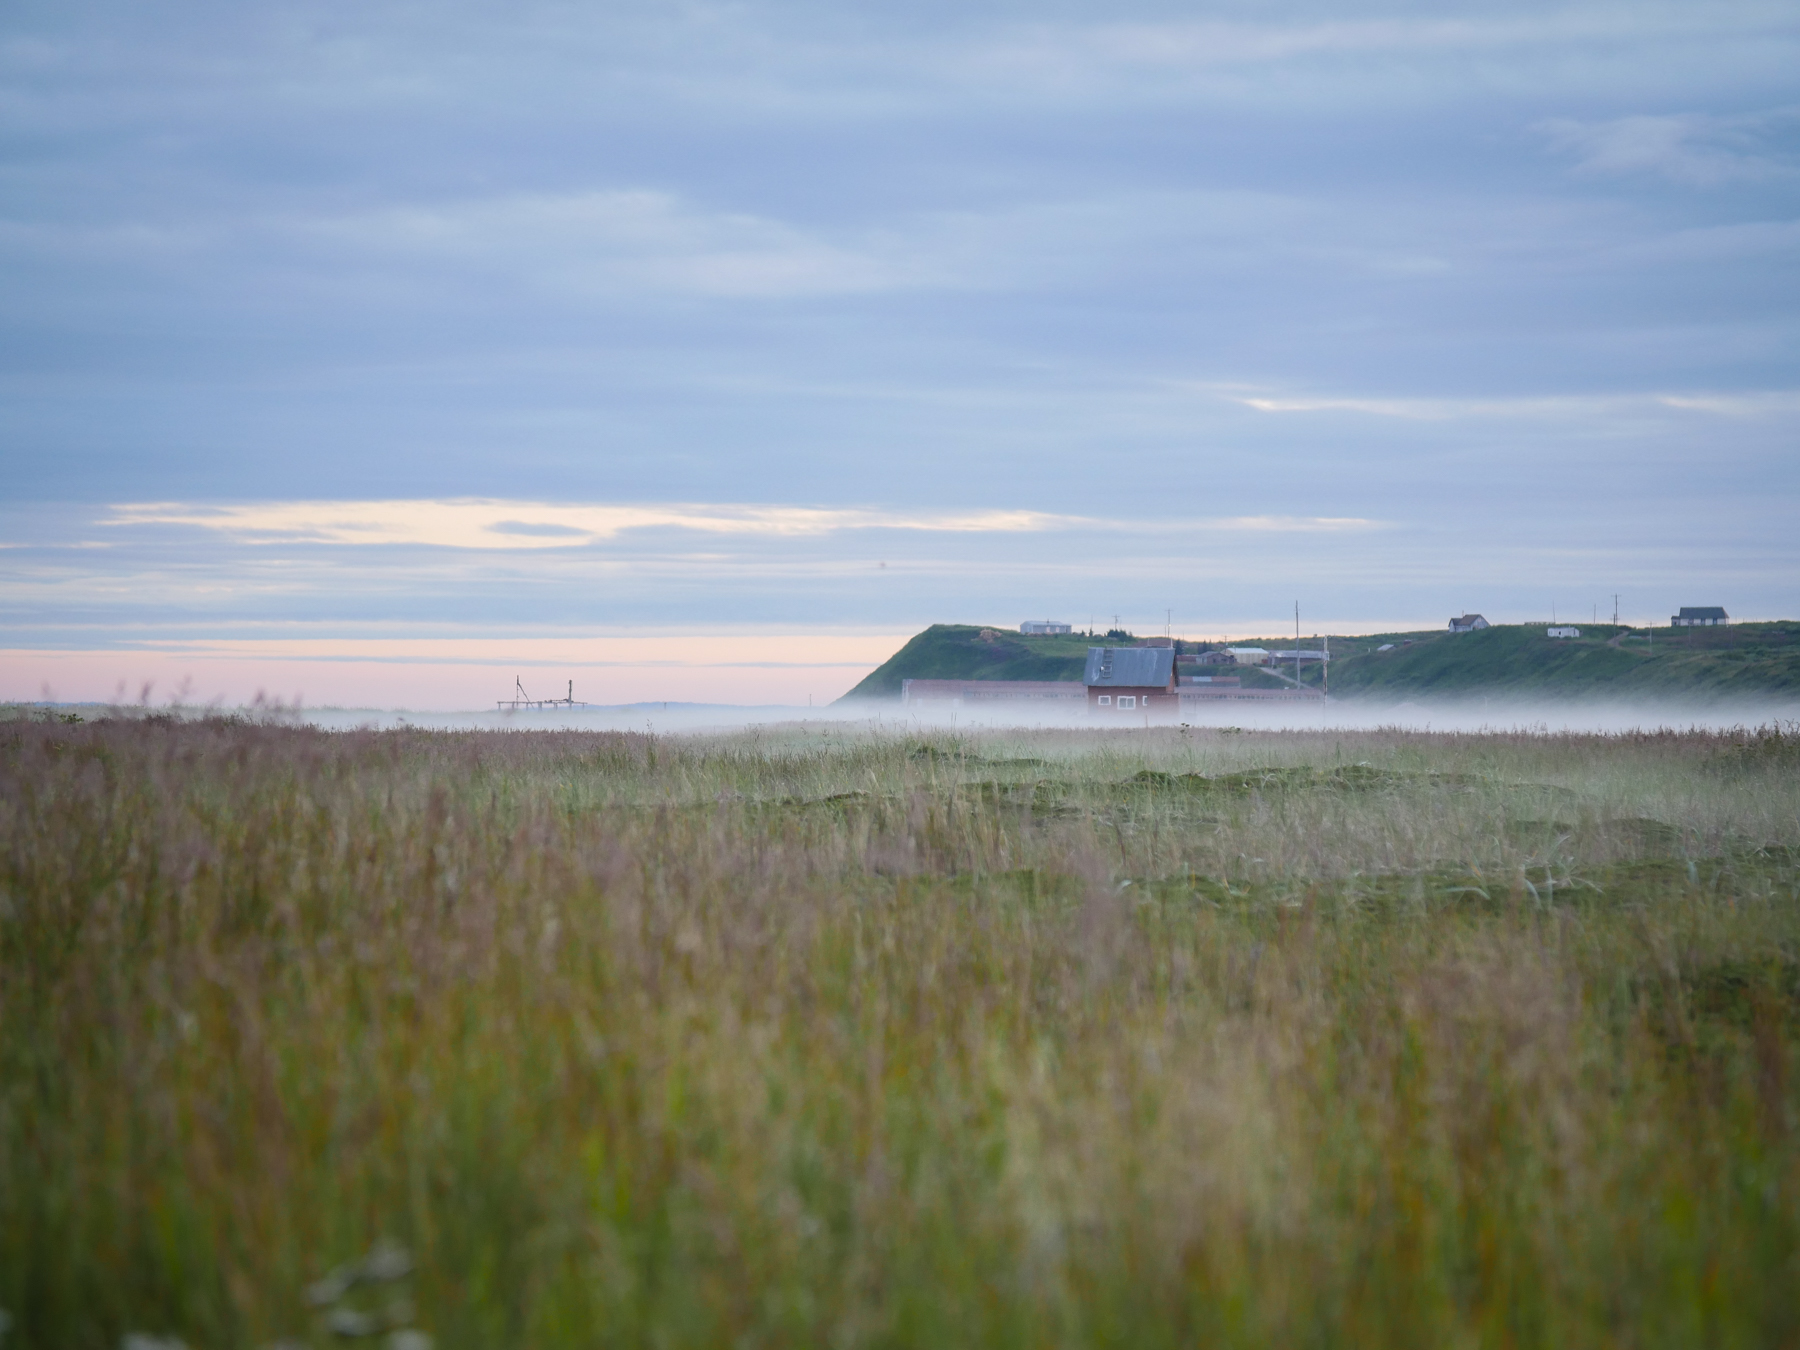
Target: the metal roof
pixel 1702 612
pixel 1130 667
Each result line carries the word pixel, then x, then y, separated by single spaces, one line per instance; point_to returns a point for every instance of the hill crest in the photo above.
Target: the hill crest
pixel 1745 660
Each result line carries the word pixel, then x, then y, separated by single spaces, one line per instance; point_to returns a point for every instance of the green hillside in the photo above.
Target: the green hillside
pixel 1747 660
pixel 959 651
pixel 1714 664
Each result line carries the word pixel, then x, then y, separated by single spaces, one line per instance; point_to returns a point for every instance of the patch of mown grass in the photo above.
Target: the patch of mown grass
pixel 1034 1039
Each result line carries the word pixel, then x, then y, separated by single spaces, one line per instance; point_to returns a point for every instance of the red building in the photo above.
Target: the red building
pixel 1131 681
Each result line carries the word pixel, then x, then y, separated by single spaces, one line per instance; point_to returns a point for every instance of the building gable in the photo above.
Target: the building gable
pixel 1130 668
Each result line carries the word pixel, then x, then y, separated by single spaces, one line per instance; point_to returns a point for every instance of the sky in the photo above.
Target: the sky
pixel 383 354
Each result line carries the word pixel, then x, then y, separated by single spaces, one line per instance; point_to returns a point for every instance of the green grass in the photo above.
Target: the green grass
pixel 952 651
pixel 1507 660
pixel 1514 660
pixel 801 1037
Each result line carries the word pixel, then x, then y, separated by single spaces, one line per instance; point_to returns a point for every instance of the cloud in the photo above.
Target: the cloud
pixel 537 529
pixel 473 523
pixel 1743 403
pixel 612 243
pixel 487 525
pixel 1223 43
pixel 1354 53
pixel 591 244
pixel 1751 403
pixel 1295 524
pixel 1233 289
pixel 1692 148
pixel 631 239
pixel 592 248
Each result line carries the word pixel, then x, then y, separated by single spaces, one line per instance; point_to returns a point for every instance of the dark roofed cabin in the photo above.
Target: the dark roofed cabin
pixel 1131 680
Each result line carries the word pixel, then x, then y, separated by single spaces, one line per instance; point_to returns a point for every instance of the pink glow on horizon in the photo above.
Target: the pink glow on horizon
pixel 454 674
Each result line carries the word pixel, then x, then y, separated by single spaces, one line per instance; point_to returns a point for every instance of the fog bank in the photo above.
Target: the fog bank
pixel 1465 715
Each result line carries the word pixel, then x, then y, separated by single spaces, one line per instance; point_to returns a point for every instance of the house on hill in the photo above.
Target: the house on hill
pixel 1131 680
pixel 1468 623
pixel 1704 616
pixel 1042 627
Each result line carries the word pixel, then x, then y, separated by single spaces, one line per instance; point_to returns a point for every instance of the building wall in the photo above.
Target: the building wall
pixel 990 691
pixel 1214 693
pixel 1144 699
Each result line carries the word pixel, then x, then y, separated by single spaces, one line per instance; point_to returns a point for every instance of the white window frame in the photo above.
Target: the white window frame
pixel 1128 700
pixel 1106 700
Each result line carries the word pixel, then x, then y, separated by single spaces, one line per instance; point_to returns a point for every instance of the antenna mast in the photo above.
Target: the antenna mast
pixel 521 699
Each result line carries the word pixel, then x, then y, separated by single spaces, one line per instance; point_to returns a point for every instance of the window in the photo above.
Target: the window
pixel 1128 700
pixel 1106 700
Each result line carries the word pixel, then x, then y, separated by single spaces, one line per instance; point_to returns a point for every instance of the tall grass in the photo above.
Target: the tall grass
pixel 788 1037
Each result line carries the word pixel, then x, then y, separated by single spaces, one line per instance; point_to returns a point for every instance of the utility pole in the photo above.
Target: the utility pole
pixel 1615 609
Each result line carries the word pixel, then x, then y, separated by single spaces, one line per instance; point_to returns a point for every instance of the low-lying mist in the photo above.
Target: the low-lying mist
pixel 1499 715
pixel 1462 715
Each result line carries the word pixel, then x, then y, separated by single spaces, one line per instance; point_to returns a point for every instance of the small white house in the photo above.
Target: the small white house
pixel 1556 632
pixel 1249 656
pixel 1467 623
pixel 1040 627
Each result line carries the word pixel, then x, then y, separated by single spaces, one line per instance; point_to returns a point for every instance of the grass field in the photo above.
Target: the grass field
pixel 791 1037
pixel 1692 665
